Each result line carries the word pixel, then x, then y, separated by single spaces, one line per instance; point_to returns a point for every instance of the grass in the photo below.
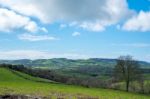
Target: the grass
pixel 28 77
pixel 134 86
pixel 11 83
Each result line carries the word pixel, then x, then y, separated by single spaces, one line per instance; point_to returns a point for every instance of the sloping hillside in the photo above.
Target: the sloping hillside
pixel 12 83
pixel 15 76
pixel 7 76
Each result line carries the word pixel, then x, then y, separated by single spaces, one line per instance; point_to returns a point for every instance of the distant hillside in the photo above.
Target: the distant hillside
pixel 59 63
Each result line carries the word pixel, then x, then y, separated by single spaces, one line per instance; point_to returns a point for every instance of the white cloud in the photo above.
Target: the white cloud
pixel 30 37
pixel 26 7
pixel 96 27
pixel 95 13
pixel 32 27
pixel 9 20
pixel 34 54
pixel 76 34
pixel 140 22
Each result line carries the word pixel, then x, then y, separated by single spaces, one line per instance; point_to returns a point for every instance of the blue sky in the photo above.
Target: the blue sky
pixel 74 29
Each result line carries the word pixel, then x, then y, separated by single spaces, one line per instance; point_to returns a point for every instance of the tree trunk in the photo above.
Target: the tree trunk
pixel 127 85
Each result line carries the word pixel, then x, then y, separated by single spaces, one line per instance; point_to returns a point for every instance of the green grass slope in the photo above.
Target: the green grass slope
pixel 16 83
pixel 15 76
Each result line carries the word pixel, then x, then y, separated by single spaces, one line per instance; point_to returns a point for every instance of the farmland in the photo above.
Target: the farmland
pixel 12 83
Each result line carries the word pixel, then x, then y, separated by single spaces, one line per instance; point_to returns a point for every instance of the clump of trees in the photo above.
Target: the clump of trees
pixel 127 69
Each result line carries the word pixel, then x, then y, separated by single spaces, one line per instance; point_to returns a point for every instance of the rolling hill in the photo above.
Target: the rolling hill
pixel 63 63
pixel 13 82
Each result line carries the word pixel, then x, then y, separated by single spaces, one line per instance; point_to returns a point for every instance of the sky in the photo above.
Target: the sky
pixel 74 29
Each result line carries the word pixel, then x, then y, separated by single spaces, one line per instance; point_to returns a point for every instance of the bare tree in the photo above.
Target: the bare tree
pixel 127 70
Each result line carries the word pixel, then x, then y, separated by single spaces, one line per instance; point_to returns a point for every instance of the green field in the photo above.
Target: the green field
pixel 12 82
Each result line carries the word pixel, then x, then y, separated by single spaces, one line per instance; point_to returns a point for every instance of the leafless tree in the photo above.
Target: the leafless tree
pixel 127 70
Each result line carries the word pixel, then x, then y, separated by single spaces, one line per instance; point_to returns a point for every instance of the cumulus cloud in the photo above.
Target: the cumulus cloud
pixel 32 27
pixel 29 37
pixel 34 54
pixel 139 22
pixel 9 20
pixel 95 14
pixel 76 34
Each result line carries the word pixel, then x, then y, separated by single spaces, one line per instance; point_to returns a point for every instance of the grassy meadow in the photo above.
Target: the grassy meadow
pixel 12 82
